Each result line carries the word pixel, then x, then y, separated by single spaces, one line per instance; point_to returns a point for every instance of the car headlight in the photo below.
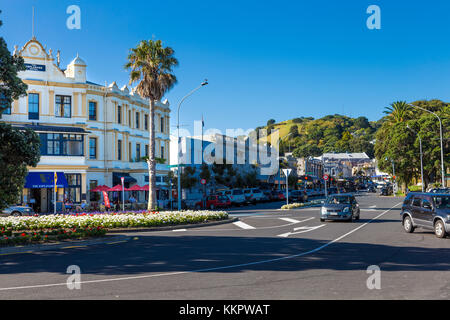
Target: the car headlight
pixel 346 209
pixel 324 210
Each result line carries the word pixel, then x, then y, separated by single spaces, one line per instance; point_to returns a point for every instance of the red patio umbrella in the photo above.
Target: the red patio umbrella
pixel 100 188
pixel 145 188
pixel 118 188
pixel 135 188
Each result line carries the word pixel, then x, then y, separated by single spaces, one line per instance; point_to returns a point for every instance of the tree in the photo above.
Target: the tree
pixel 270 122
pixel 399 111
pixel 151 66
pixel 18 149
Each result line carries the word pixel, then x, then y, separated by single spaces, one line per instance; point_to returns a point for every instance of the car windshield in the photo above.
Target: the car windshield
pixel 442 202
pixel 237 192
pixel 339 200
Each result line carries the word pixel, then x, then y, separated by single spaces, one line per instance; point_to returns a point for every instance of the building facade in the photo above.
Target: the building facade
pixel 91 134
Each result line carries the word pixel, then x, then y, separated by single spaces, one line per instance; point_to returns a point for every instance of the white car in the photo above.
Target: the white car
pixel 237 197
pixel 254 195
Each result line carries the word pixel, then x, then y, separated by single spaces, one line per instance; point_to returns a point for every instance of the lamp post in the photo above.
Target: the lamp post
pixel 421 156
pixel 442 144
pixel 204 83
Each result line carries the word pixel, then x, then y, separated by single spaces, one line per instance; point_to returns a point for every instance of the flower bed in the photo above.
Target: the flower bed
pixel 108 220
pixel 300 205
pixel 46 228
pixel 8 237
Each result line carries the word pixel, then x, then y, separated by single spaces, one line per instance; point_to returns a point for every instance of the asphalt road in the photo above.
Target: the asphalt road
pixel 269 254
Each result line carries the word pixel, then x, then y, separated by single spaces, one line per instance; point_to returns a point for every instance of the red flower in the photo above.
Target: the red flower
pixel 23 234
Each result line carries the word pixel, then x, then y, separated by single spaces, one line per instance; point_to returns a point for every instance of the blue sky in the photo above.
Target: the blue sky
pixel 263 59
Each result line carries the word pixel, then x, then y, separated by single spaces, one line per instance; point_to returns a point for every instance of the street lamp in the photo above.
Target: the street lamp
pixel 421 155
pixel 442 144
pixel 204 83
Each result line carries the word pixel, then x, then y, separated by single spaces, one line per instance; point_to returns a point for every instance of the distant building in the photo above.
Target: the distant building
pixel 346 165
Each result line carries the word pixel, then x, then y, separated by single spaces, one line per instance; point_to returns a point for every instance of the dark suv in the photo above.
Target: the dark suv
pixel 427 210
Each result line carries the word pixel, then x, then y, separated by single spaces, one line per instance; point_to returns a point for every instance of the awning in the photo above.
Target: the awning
pixel 59 129
pixel 127 178
pixel 35 180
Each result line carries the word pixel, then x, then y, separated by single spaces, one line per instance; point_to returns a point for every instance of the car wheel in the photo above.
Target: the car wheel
pixel 197 207
pixel 16 213
pixel 322 220
pixel 407 224
pixel 211 207
pixel 439 229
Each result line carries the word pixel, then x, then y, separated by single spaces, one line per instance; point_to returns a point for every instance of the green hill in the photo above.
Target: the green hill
pixel 332 133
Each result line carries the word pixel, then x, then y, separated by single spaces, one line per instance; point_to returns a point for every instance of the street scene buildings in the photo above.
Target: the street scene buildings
pixel 91 134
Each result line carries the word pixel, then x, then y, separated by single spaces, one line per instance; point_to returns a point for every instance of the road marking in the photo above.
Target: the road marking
pixel 292 220
pixel 303 230
pixel 70 247
pixel 178 230
pixel 243 225
pixel 209 269
pixel 115 242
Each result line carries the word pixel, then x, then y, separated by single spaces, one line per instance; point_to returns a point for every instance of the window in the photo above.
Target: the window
pixel 119 114
pixel 5 105
pixel 162 152
pixel 129 118
pixel 33 106
pixel 146 122
pixel 129 152
pixel 63 106
pixel 416 202
pixel 137 120
pixel 93 148
pixel 59 144
pixel 119 149
pixel 93 196
pixel 138 152
pixel 162 124
pixel 92 110
pixel 146 150
pixel 426 204
pixel 73 192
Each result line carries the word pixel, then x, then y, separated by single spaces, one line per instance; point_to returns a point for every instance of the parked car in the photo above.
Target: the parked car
pixel 237 197
pixel 214 201
pixel 386 191
pixel 267 196
pixel 372 189
pixel 18 211
pixel 340 207
pixel 298 196
pixel 426 210
pixel 249 196
pixel 280 195
pixel 332 190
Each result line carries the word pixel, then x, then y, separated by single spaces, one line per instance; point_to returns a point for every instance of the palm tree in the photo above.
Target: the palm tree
pixel 151 66
pixel 399 111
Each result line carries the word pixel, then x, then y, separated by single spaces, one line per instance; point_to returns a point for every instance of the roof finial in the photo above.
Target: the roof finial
pixel 32 26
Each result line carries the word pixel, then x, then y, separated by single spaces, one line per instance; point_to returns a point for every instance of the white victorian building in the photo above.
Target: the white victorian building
pixel 91 134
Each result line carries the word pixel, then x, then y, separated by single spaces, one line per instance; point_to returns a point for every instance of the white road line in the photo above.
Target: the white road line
pixel 303 230
pixel 292 220
pixel 210 269
pixel 178 230
pixel 243 225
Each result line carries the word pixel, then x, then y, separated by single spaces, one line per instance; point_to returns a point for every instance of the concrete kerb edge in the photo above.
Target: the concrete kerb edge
pixel 176 226
pixel 109 238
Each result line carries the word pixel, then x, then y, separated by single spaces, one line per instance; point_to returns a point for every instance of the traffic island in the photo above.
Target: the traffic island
pixel 298 205
pixel 49 229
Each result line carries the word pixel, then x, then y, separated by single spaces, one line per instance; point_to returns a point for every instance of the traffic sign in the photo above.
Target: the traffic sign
pixel 287 172
pixel 203 181
pixel 325 177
